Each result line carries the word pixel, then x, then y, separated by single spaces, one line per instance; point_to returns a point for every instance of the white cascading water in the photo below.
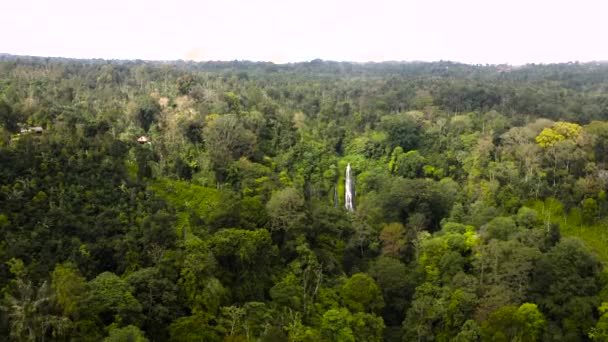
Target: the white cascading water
pixel 348 190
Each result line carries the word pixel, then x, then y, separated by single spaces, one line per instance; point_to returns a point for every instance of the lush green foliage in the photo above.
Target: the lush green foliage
pixel 481 206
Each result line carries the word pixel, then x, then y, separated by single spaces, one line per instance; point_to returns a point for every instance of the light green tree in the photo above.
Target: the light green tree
pixel 599 333
pixel 335 326
pixel 511 323
pixel 129 333
pixel 285 209
pixel 68 286
pixel 361 294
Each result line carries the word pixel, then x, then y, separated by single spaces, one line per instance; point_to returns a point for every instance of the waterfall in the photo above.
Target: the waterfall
pixel 348 190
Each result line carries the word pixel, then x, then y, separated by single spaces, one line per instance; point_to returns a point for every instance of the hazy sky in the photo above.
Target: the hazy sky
pixel 471 31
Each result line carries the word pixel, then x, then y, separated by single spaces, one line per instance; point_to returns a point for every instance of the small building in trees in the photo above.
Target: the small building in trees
pixel 143 139
pixel 36 129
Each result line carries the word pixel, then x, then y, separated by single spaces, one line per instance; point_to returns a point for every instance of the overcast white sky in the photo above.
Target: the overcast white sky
pixel 471 31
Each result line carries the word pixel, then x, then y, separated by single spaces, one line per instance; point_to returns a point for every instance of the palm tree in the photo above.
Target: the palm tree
pixel 29 312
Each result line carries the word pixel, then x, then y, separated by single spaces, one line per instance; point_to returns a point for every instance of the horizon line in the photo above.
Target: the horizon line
pixel 394 61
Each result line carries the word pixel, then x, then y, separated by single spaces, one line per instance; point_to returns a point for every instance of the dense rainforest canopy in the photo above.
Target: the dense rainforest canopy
pixel 480 201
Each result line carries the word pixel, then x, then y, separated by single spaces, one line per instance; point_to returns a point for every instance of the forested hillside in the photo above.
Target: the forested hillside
pixel 480 207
